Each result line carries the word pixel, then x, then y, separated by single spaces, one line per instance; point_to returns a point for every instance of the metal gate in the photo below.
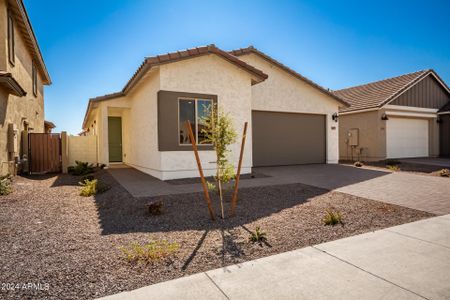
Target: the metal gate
pixel 44 153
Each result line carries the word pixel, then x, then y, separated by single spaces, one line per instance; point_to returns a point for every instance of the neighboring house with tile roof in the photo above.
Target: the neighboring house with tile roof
pixel 292 120
pixel 22 77
pixel 399 117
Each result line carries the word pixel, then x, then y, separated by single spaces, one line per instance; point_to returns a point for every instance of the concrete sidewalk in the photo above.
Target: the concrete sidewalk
pixel 410 261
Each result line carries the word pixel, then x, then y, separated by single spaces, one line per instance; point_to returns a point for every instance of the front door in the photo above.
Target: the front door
pixel 115 139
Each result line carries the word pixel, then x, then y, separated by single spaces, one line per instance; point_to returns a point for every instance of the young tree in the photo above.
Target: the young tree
pixel 219 131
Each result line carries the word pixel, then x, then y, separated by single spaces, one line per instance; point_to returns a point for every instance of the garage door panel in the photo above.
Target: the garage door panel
pixel 288 138
pixel 407 137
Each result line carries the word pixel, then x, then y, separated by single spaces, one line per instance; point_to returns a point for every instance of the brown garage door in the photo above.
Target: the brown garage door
pixel 288 138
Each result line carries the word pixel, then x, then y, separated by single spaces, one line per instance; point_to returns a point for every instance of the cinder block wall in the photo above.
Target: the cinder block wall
pixel 82 148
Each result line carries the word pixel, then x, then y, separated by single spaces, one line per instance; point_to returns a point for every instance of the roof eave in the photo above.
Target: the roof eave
pixel 251 49
pixel 31 36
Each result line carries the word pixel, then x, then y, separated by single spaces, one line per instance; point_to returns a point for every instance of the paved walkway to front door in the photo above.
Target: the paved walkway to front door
pixel 427 193
pixel 410 261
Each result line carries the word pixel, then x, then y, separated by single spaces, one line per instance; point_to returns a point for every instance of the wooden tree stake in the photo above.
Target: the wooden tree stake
pixel 235 192
pixel 200 170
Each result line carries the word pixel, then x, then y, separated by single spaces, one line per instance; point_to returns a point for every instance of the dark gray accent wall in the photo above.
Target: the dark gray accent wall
pixel 168 134
pixel 444 135
pixel 427 93
pixel 288 138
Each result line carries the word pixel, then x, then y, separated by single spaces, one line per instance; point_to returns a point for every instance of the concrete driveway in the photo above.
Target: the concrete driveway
pixel 410 261
pixel 427 193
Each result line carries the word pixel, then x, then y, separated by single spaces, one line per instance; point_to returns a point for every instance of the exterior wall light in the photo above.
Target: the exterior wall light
pixel 335 117
pixel 438 120
pixel 384 117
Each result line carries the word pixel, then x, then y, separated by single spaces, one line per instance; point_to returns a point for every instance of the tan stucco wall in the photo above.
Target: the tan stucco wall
pixel 372 135
pixel 283 92
pixel 82 148
pixel 209 75
pixel 17 109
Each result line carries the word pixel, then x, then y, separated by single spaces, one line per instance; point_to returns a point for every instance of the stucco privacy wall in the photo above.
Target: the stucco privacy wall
pixel 283 92
pixel 209 74
pixel 15 109
pixel 82 148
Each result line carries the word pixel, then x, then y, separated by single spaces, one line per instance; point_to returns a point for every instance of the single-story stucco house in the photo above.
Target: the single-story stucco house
pixel 400 117
pixel 291 119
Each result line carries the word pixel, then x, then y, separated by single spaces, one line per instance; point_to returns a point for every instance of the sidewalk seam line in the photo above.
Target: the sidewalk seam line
pixel 370 273
pixel 217 286
pixel 416 238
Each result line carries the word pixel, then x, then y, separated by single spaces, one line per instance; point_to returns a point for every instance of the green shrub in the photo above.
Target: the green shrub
pixel 81 168
pixel 92 187
pixel 258 236
pixel 332 218
pixel 358 164
pixel 444 173
pixel 5 186
pixel 150 252
pixel 393 167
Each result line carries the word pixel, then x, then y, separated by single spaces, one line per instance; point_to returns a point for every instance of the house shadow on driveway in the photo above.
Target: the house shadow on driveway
pixel 283 187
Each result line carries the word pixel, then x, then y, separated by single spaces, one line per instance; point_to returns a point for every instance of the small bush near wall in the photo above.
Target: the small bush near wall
pixel 358 164
pixel 92 187
pixel 81 168
pixel 5 186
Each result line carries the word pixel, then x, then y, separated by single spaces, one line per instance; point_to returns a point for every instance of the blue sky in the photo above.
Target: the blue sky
pixel 92 48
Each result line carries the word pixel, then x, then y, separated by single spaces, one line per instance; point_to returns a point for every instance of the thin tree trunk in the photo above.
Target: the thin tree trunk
pixel 221 199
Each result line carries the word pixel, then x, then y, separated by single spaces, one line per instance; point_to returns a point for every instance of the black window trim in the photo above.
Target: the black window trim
pixel 195 99
pixel 34 78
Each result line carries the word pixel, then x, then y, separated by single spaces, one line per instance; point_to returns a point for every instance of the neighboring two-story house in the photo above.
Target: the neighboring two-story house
pixel 22 76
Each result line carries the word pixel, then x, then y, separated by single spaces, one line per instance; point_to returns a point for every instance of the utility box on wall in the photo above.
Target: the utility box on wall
pixel 13 139
pixel 353 137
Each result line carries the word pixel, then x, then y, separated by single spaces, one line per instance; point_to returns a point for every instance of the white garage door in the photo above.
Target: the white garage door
pixel 406 137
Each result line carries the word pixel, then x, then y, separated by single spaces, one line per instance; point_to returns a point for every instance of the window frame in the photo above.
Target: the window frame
pixel 34 78
pixel 11 38
pixel 195 118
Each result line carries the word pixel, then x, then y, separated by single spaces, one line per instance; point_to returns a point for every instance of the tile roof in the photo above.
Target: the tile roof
pixel 378 93
pixel 252 49
pixel 153 61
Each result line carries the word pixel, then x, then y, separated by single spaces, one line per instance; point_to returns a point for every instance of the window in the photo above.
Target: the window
pixel 11 54
pixel 34 75
pixel 195 111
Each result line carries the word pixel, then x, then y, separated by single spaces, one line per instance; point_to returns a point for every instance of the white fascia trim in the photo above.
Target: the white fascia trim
pixel 444 113
pixel 411 114
pixel 359 111
pixel 411 109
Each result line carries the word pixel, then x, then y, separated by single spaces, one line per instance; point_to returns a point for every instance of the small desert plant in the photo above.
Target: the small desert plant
pixel 332 218
pixel 258 236
pixel 155 208
pixel 5 186
pixel 81 168
pixel 444 173
pixel 92 187
pixel 358 164
pixel 149 252
pixel 393 167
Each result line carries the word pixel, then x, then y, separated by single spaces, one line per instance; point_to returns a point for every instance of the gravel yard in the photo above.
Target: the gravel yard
pixel 50 235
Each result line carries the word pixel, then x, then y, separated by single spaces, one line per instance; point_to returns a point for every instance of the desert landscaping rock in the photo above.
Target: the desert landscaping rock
pixel 51 235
